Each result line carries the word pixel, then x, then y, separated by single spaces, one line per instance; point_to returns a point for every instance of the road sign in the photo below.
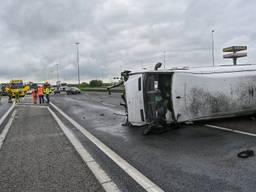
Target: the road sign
pixel 234 55
pixel 235 48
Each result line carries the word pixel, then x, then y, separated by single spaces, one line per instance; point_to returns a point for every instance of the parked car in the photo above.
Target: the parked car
pixel 63 88
pixel 56 91
pixel 3 93
pixel 73 90
pixel 29 92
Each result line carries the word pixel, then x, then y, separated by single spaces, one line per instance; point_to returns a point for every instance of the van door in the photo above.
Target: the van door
pixel 135 100
pixel 157 98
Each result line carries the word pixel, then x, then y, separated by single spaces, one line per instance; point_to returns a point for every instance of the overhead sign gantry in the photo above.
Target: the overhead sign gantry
pixel 235 53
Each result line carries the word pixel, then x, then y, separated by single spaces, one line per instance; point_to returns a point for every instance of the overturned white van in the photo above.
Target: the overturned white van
pixel 178 95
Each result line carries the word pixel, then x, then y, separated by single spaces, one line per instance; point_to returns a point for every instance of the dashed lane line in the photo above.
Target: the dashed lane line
pixel 99 173
pixel 6 129
pixel 135 174
pixel 33 106
pixel 230 130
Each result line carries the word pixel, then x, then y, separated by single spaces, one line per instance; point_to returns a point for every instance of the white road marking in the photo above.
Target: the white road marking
pixel 99 173
pixel 6 114
pixel 35 106
pixel 141 179
pixel 6 129
pixel 108 104
pixel 24 103
pixel 230 130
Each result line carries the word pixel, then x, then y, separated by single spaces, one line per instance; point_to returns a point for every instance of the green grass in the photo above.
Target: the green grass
pixel 101 89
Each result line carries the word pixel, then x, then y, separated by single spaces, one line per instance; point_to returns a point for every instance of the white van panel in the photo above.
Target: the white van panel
pixel 213 95
pixel 135 101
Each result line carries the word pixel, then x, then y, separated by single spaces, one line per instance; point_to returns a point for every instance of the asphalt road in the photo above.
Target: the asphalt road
pixel 36 156
pixel 191 158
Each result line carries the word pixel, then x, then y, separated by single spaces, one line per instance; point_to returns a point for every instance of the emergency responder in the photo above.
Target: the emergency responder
pixel 40 92
pixel 17 96
pixel 124 77
pixel 9 94
pixel 47 92
pixel 34 95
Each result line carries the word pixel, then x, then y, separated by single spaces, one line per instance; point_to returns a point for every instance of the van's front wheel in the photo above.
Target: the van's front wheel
pixel 147 129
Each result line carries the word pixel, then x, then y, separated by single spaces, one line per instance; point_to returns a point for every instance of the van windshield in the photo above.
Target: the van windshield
pixel 16 85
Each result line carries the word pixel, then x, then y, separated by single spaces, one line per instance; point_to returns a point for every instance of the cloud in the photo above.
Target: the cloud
pixel 36 35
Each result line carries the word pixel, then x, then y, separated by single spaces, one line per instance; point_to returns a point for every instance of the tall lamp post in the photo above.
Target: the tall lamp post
pixel 164 58
pixel 57 72
pixel 78 70
pixel 212 48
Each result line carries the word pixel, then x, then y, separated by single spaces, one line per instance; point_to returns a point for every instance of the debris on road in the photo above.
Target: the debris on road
pixel 245 154
pixel 253 118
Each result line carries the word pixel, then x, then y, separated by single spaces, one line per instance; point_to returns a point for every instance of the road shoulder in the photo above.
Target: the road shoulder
pixel 36 156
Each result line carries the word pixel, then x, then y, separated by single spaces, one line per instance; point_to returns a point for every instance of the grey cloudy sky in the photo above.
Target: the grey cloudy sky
pixel 118 34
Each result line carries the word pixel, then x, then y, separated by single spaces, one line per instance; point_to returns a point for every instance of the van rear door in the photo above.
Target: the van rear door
pixel 135 101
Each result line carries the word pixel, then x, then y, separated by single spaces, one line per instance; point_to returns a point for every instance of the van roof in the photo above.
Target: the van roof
pixel 203 70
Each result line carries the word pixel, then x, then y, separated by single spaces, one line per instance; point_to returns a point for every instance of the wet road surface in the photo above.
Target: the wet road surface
pixel 192 158
pixel 36 156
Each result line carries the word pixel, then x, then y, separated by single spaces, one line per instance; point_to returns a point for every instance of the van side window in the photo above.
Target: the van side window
pixel 139 84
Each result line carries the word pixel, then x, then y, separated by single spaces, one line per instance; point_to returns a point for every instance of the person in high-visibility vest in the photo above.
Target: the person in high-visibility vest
pixel 17 96
pixel 40 92
pixel 47 92
pixel 8 90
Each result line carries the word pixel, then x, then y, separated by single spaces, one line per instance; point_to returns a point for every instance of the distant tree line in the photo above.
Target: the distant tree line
pixel 92 83
pixel 96 83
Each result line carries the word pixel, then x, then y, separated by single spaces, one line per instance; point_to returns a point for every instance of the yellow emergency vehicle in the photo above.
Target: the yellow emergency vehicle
pixel 17 86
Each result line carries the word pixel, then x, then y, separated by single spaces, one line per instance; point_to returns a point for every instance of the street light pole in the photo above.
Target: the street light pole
pixel 212 48
pixel 57 66
pixel 164 58
pixel 78 70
